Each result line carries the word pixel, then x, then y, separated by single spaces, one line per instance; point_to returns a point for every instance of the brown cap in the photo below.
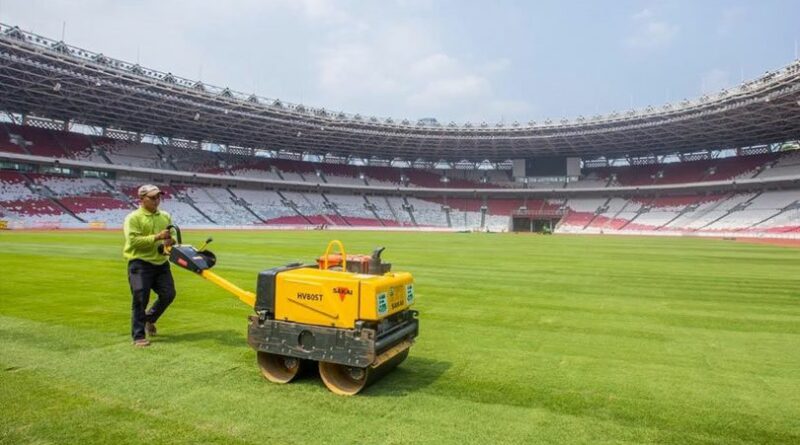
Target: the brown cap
pixel 149 190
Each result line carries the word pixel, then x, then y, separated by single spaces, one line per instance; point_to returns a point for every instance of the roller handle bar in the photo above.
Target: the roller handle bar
pixel 177 232
pixel 338 244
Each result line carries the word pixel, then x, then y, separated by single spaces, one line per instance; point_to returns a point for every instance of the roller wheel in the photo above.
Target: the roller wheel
pixel 278 368
pixel 349 380
pixel 343 380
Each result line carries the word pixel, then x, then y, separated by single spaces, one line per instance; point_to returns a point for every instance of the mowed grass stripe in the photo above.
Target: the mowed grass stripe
pixel 217 393
pixel 524 339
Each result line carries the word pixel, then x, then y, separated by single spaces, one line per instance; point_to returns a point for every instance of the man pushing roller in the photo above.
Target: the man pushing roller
pixel 145 230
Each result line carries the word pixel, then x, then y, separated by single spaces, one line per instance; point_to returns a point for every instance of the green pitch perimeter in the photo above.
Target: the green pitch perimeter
pixel 524 339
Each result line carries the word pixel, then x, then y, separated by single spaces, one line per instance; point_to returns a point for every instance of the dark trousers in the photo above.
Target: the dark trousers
pixel 144 277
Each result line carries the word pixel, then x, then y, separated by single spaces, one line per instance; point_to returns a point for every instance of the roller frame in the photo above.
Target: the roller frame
pixel 350 347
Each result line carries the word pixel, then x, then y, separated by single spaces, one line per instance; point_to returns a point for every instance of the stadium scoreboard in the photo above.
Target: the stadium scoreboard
pixel 547 167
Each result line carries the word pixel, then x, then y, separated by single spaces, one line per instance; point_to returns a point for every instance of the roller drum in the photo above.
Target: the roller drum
pixel 278 368
pixel 349 380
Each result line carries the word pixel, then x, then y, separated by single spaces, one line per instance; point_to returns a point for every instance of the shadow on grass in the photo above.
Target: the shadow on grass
pixel 221 337
pixel 414 374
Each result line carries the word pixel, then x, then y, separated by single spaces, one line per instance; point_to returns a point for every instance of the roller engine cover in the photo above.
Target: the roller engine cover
pixel 265 289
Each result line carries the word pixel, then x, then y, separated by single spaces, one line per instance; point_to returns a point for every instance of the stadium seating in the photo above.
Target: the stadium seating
pixel 354 210
pixel 344 180
pixel 36 211
pixel 340 174
pixel 299 202
pixel 192 160
pixel 758 210
pixel 97 208
pixel 183 213
pixel 258 171
pixel 786 165
pixel 266 204
pixel 69 186
pixel 36 141
pixel 94 200
pixel 387 212
pixel 13 187
pixel 575 221
pixel 136 155
pixel 677 172
pixel 427 214
pixel 320 208
pixel 219 205
pixel 76 144
pixel 11 145
pixel 735 212
pixel 295 176
pixel 36 197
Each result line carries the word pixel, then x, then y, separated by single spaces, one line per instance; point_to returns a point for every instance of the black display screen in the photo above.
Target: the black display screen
pixel 546 166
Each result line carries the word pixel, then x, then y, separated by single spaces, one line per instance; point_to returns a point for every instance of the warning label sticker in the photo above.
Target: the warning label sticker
pixel 409 293
pixel 383 306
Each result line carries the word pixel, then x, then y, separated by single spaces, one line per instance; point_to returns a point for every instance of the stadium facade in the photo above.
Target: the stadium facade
pixel 146 125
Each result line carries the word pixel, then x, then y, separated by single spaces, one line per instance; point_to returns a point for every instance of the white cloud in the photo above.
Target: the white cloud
pixel 644 14
pixel 650 32
pixel 349 68
pixel 403 68
pixel 497 66
pixel 417 5
pixel 379 61
pixel 434 65
pixel 325 11
pixel 504 109
pixel 731 19
pixel 450 91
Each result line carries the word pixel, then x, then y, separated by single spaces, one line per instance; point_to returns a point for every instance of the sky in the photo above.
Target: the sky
pixel 460 61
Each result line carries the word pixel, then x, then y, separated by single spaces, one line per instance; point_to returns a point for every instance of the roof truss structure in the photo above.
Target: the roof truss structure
pixel 43 77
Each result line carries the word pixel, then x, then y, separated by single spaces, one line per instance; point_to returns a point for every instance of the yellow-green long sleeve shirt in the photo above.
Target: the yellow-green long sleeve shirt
pixel 141 228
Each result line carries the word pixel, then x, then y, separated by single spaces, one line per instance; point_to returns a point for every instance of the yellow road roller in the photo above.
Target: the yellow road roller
pixel 348 313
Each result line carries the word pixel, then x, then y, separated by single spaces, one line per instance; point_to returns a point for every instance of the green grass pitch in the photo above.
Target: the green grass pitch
pixel 523 339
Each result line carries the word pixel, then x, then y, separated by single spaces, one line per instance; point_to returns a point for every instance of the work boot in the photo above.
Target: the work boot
pixel 150 329
pixel 141 343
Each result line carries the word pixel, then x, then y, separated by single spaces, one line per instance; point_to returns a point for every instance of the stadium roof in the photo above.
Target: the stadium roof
pixel 48 78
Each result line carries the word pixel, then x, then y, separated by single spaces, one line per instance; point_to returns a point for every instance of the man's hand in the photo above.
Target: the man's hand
pixel 164 234
pixel 169 242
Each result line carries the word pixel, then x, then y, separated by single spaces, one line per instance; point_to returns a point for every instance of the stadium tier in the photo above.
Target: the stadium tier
pixel 53 198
